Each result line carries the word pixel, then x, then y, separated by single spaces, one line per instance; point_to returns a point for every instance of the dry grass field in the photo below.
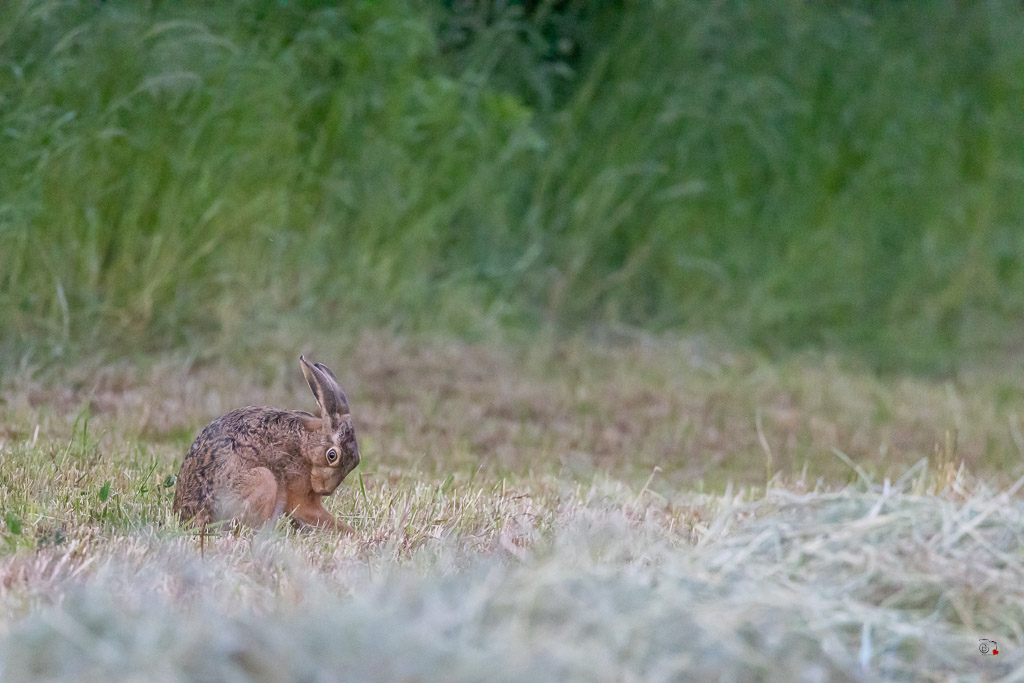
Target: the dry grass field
pixel 648 509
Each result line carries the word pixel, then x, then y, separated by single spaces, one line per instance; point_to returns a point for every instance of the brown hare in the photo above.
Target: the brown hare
pixel 255 463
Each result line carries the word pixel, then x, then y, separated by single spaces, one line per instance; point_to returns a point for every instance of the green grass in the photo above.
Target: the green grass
pixel 556 511
pixel 787 175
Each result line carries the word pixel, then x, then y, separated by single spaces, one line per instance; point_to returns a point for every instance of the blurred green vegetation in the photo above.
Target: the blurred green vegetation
pixel 788 174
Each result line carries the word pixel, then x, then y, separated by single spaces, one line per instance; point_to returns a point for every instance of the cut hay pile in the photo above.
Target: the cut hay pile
pixel 872 582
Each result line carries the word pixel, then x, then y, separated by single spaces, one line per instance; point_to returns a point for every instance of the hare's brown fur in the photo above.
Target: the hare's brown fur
pixel 255 463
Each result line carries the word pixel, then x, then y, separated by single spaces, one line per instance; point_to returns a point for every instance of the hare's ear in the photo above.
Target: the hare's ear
pixel 327 371
pixel 324 386
pixel 339 395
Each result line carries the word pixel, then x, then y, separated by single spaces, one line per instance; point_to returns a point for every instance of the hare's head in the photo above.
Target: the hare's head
pixel 331 451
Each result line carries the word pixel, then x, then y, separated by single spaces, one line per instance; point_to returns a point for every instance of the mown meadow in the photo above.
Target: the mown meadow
pixel 682 339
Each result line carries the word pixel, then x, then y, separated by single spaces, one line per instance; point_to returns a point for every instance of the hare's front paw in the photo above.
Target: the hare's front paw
pixel 313 514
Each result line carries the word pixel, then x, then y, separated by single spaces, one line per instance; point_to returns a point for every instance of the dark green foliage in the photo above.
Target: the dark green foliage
pixel 803 174
pixel 789 173
pixel 13 523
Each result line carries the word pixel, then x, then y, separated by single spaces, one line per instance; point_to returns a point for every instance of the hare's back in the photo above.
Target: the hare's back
pixel 221 449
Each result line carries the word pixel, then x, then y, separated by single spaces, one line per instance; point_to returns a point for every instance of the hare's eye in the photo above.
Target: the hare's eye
pixel 332 456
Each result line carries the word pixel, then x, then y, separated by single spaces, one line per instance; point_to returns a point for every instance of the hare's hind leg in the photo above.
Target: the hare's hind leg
pixel 259 495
